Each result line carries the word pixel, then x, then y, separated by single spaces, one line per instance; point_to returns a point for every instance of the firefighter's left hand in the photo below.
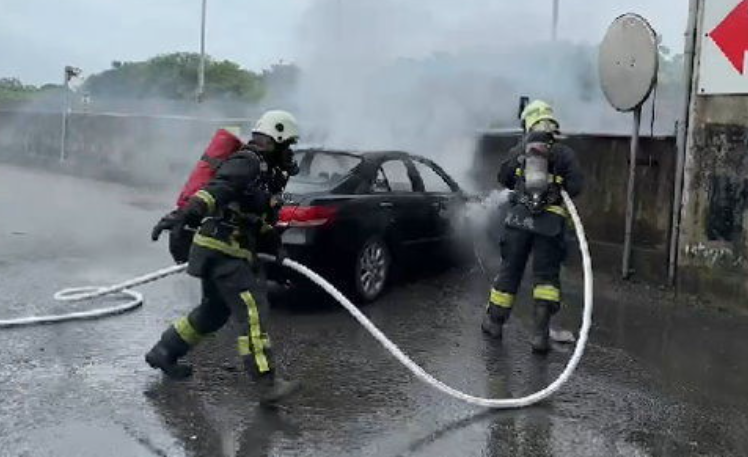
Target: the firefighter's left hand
pixel 280 255
pixel 273 244
pixel 168 222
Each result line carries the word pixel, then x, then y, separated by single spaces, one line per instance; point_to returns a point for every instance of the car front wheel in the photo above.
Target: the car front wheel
pixel 372 269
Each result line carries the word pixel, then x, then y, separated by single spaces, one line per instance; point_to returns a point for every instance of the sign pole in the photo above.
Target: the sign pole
pixel 630 198
pixel 629 62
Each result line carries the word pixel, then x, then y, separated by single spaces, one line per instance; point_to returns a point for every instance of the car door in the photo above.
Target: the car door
pixel 442 196
pixel 409 213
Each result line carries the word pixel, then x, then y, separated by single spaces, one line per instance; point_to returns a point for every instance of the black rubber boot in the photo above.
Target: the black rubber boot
pixel 166 353
pixel 275 389
pixel 494 320
pixel 541 329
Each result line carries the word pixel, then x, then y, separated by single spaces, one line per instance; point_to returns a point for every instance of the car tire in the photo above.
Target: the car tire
pixel 371 271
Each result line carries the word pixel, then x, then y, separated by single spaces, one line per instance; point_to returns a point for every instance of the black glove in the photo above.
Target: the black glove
pixel 169 222
pixel 281 254
pixel 180 242
pixel 272 244
pixel 176 221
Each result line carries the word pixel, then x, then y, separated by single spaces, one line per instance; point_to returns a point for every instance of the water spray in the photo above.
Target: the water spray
pixel 136 300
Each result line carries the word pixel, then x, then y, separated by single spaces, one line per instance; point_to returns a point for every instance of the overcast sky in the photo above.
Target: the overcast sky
pixel 39 37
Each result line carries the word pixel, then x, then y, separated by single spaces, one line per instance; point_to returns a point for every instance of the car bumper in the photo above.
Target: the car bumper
pixel 315 249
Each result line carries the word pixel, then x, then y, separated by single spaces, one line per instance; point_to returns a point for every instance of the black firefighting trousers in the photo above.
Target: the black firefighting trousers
pixel 235 287
pixel 548 254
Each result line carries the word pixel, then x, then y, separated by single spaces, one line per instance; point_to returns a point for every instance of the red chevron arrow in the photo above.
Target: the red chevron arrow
pixel 731 36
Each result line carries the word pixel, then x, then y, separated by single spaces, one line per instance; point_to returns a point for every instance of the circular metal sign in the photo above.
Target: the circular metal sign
pixel 629 60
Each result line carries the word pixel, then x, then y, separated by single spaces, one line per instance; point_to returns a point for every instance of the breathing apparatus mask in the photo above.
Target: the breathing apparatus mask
pixel 277 155
pixel 546 125
pixel 536 169
pixel 287 162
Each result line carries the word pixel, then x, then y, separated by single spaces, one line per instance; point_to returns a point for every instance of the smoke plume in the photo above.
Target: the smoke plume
pixel 391 74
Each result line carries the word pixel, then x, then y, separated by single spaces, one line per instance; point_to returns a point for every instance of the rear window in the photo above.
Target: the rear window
pixel 320 171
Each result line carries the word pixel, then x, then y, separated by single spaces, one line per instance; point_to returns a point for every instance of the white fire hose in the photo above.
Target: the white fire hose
pixel 89 293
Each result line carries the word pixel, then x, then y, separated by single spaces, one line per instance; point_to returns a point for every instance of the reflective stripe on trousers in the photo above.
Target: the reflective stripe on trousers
pixel 187 331
pixel 256 342
pixel 501 299
pixel 547 292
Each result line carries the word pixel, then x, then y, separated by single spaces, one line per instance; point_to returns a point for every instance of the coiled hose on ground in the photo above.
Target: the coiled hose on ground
pixel 89 293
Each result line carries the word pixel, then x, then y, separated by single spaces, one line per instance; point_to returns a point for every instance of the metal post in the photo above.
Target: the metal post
pixel 631 197
pixel 65 110
pixel 556 12
pixel 682 141
pixel 201 70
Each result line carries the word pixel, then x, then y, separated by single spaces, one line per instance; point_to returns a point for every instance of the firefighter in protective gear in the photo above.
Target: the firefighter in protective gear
pixel 536 171
pixel 224 141
pixel 233 215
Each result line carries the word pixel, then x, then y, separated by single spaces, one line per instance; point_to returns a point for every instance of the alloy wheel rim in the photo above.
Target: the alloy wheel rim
pixel 373 269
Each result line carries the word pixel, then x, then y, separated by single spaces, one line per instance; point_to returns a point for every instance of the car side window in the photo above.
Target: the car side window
pixel 380 184
pixel 396 174
pixel 432 181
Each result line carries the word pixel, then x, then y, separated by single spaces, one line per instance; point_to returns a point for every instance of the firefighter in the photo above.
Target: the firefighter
pixel 538 168
pixel 233 214
pixel 223 145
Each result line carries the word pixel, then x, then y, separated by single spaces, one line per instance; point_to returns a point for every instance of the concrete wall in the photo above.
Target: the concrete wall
pixel 714 242
pixel 605 160
pixel 136 149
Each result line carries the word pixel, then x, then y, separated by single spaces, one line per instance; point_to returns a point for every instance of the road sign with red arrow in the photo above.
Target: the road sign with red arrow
pixel 723 68
pixel 731 36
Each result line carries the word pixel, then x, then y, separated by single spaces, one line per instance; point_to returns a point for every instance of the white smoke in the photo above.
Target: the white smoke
pixel 396 74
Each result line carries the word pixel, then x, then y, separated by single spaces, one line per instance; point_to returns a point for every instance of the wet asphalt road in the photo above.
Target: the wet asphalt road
pixel 658 379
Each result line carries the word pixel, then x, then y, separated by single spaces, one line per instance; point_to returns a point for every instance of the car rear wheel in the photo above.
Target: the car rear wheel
pixel 372 270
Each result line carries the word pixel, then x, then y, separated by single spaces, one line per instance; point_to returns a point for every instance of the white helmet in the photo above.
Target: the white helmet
pixel 281 126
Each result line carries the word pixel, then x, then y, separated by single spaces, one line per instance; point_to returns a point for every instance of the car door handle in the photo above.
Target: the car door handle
pixel 387 204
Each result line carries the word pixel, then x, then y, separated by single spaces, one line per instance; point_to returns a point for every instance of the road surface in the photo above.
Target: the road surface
pixel 658 379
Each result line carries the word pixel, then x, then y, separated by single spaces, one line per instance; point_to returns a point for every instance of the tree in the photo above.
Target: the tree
pixel 174 76
pixel 13 90
pixel 280 82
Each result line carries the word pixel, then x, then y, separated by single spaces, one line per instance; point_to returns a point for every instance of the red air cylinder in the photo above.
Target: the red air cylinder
pixel 223 145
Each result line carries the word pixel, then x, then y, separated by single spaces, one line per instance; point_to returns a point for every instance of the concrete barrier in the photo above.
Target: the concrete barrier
pixel 137 149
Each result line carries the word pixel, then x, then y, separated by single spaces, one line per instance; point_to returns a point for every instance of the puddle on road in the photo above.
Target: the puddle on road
pixel 79 439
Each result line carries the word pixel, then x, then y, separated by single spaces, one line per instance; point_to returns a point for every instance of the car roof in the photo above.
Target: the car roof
pixel 375 158
pixel 370 155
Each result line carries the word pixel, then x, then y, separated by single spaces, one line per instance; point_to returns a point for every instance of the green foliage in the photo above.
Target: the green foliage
pixel 174 76
pixel 12 90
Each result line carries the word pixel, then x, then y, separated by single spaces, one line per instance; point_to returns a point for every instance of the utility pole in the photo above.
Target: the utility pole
pixel 201 70
pixel 556 12
pixel 69 73
pixel 682 136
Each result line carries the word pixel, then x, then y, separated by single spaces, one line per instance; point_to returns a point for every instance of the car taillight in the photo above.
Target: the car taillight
pixel 306 216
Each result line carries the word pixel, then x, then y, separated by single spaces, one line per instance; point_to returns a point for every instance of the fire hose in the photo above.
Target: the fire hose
pixel 136 300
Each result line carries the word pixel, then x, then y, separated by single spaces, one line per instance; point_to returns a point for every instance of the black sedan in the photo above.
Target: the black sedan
pixel 354 216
